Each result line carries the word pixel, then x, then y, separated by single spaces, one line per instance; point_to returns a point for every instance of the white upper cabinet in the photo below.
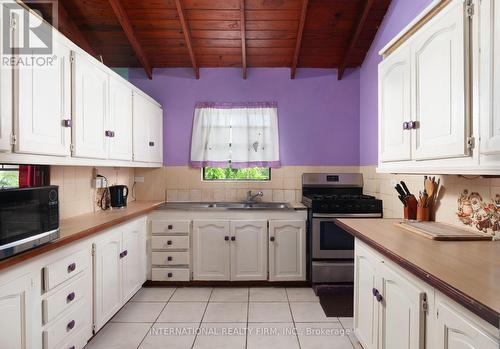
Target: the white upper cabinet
pixel 119 130
pixel 90 108
pixel 43 99
pixel 394 107
pixel 490 77
pixel 440 104
pixel 248 250
pixel 5 97
pixel 148 130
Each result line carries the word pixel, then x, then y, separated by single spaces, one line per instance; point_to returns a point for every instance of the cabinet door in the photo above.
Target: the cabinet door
pixel 141 119
pixel 90 98
pixel 5 96
pixel 401 320
pixel 156 134
pixel 134 262
pixel 108 293
pixel 365 304
pixel 394 106
pixel 43 102
pixel 456 331
pixel 248 250
pixel 15 307
pixel 211 250
pixel 287 250
pixel 440 101
pixel 120 120
pixel 490 77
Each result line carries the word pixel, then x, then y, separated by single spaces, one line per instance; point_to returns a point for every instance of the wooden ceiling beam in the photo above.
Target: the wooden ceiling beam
pixel 122 17
pixel 187 37
pixel 298 43
pixel 243 39
pixel 354 38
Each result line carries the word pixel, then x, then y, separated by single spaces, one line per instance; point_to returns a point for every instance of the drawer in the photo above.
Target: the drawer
pixel 70 294
pixel 169 242
pixel 65 268
pixel 170 227
pixel 170 274
pixel 170 258
pixel 68 325
pixel 78 341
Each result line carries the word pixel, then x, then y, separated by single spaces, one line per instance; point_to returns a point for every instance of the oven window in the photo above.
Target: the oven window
pixel 332 237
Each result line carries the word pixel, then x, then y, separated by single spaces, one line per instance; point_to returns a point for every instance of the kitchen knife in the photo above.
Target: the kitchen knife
pixel 400 190
pixel 405 188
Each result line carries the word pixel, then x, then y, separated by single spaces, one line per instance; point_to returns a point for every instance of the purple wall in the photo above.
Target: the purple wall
pixel 318 115
pixel 400 14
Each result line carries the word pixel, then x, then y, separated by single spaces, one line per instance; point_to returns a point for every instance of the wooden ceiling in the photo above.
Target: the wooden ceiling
pixel 224 33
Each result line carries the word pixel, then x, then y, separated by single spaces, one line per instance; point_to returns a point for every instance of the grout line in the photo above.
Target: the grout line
pixel 248 316
pixel 293 319
pixel 203 316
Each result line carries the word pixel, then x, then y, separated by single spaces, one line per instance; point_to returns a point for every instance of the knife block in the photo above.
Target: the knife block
pixel 410 211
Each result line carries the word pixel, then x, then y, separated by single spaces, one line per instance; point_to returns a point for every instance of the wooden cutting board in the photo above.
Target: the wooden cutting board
pixel 441 231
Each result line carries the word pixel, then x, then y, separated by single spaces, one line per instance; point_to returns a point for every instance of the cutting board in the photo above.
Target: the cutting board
pixel 441 231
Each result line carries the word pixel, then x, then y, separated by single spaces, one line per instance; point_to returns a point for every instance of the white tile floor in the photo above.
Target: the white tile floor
pixel 232 318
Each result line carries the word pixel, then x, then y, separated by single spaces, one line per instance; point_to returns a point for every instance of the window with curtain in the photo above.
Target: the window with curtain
pixel 239 137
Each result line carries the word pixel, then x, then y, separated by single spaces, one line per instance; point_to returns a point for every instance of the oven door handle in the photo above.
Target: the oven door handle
pixel 347 215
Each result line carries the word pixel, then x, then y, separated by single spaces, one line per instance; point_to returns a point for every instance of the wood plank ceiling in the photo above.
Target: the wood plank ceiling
pixel 224 33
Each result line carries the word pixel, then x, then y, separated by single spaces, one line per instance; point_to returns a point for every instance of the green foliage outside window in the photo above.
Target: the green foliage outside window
pixel 237 174
pixel 9 179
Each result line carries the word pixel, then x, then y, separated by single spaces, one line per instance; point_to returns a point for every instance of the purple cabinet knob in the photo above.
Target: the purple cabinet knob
pixel 226 238
pixel 70 297
pixel 169 242
pixel 272 238
pixel 233 238
pixel 72 347
pixel 170 227
pixel 71 325
pixel 71 267
pixel 379 298
pixel 374 292
pixel 169 258
pixel 170 275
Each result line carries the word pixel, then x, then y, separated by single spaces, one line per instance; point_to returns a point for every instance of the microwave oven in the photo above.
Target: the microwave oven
pixel 29 217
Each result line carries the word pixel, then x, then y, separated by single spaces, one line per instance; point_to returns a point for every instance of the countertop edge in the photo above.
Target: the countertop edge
pixel 478 308
pixel 63 241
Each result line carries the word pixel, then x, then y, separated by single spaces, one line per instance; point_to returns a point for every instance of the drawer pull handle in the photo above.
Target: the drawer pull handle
pixel 169 258
pixel 226 238
pixel 233 238
pixel 71 325
pixel 272 239
pixel 71 267
pixel 71 297
pixel 169 242
pixel 170 275
pixel 170 227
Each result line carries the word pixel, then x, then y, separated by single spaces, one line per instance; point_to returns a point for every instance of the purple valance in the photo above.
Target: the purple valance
pixel 230 105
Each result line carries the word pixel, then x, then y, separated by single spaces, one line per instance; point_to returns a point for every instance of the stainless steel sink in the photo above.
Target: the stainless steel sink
pixel 227 206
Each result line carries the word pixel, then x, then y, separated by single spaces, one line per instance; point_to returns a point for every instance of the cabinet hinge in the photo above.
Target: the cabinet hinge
pixel 470 8
pixel 72 57
pixel 13 139
pixel 471 143
pixel 72 147
pixel 423 304
pixel 93 250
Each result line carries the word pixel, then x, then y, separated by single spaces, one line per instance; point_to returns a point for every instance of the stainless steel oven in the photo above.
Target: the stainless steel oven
pixel 29 217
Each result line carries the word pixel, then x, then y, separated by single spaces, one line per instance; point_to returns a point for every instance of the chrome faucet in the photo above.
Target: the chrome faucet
pixel 251 197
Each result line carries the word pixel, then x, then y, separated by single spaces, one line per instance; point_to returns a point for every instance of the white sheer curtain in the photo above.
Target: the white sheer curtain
pixel 236 135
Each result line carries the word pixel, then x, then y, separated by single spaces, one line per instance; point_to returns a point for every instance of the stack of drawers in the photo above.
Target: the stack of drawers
pixel 66 303
pixel 170 247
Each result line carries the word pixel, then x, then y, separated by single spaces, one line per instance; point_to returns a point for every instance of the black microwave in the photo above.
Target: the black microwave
pixel 29 217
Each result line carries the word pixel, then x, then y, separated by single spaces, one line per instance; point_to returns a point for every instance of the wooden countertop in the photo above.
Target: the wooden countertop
pixel 82 226
pixel 466 271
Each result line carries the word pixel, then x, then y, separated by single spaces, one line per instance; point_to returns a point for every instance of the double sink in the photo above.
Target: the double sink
pixel 227 206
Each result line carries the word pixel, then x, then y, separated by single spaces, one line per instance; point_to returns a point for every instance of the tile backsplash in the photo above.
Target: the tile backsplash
pixel 76 193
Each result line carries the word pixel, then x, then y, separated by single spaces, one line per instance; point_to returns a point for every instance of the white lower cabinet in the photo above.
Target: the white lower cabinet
pixel 15 309
pixel 119 268
pixel 211 250
pixel 287 250
pixel 395 310
pixel 248 250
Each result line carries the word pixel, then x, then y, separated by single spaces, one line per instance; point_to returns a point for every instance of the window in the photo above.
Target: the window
pixel 9 176
pixel 236 174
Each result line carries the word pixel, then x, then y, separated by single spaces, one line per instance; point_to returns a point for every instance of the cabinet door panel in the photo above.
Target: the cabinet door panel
pixel 287 251
pixel 401 318
pixel 365 305
pixel 211 250
pixel 440 101
pixel 107 278
pixel 90 98
pixel 43 101
pixel 142 110
pixel 156 134
pixel 120 120
pixel 394 106
pixel 15 307
pixel 134 263
pixel 490 77
pixel 5 96
pixel 249 250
